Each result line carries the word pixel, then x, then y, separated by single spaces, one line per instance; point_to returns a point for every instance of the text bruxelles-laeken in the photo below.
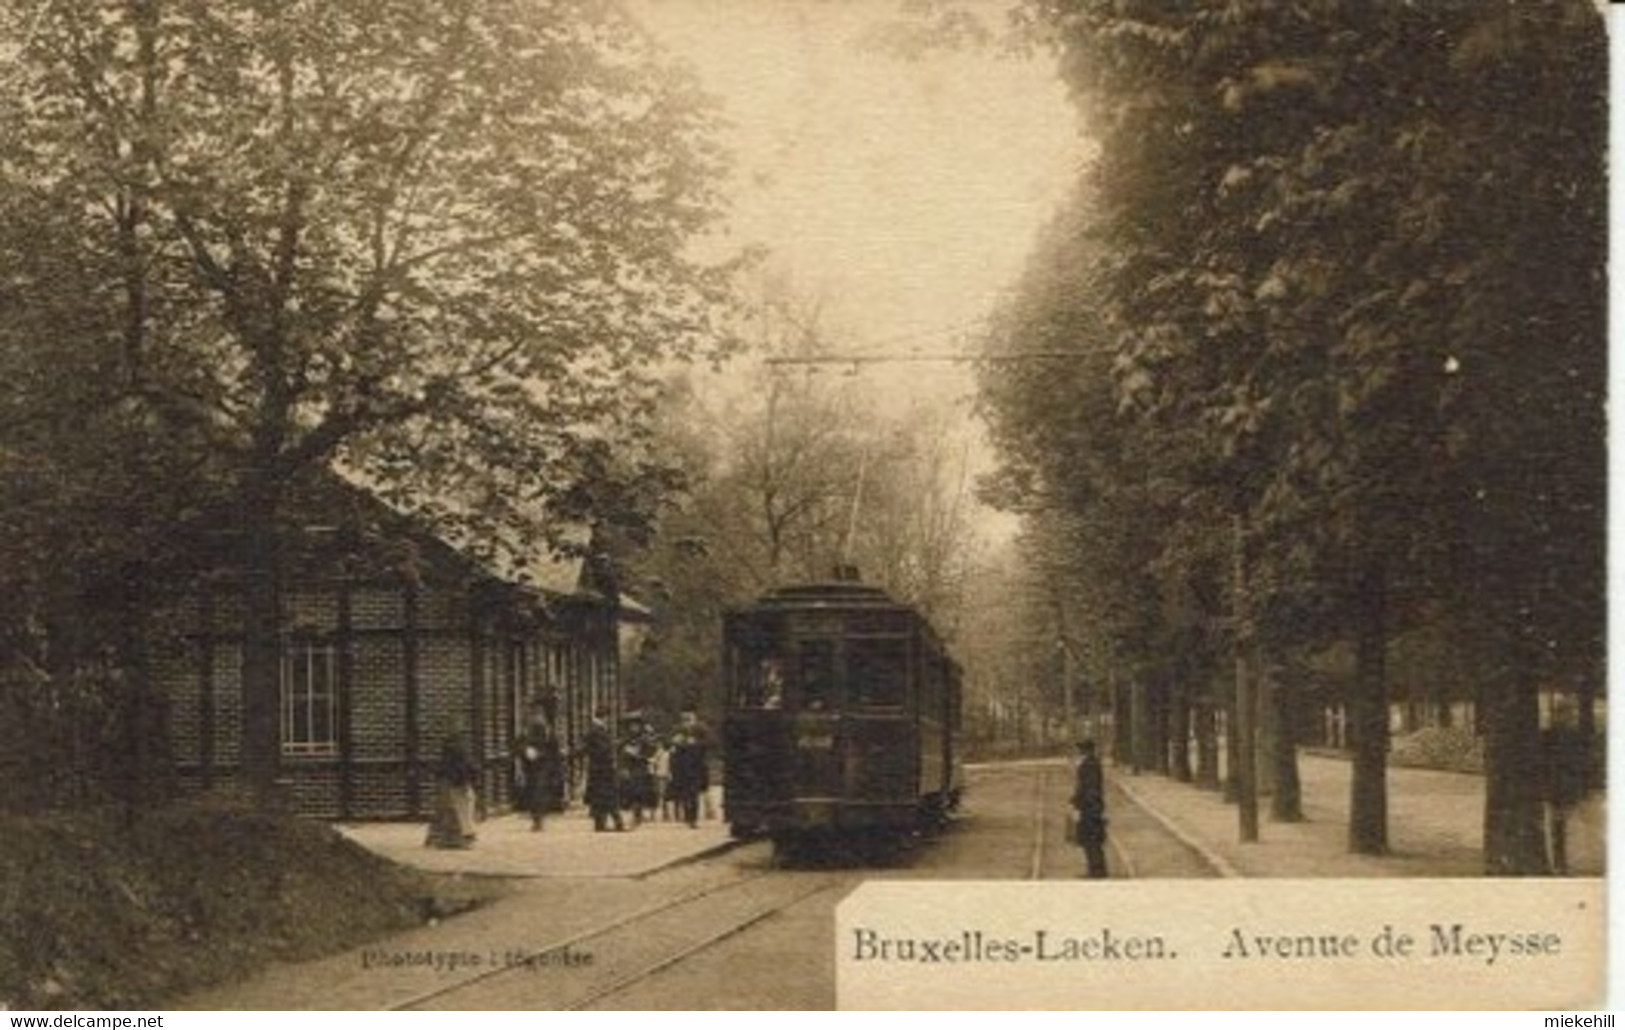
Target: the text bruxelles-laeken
pixel 969 946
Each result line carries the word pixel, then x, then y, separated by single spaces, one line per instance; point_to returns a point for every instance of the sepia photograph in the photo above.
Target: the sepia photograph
pixel 514 505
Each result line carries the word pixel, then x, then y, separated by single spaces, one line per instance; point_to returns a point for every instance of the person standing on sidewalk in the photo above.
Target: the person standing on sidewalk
pixel 455 776
pixel 689 776
pixel 537 765
pixel 603 794
pixel 1089 798
pixel 637 771
pixel 661 764
pixel 1563 776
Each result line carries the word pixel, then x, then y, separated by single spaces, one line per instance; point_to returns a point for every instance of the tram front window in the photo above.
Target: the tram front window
pixel 878 671
pixel 816 674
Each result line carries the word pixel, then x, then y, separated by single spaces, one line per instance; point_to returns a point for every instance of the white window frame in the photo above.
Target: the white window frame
pixel 300 661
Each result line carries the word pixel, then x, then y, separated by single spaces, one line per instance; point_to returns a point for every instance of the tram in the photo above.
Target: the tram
pixel 843 709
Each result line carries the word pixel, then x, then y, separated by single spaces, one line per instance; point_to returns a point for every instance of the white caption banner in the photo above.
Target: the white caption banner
pixel 1223 944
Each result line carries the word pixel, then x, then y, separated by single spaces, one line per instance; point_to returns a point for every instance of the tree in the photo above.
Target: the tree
pixel 438 244
pixel 92 489
pixel 1526 235
pixel 789 473
pixel 1319 217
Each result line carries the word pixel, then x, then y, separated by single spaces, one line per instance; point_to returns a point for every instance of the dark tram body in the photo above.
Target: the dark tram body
pixel 843 709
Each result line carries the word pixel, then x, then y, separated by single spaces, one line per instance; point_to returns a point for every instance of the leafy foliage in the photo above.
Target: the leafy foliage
pixel 787 476
pixel 1345 264
pixel 441 245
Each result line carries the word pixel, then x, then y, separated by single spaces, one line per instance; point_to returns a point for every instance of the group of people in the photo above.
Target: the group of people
pixel 647 773
pixel 538 781
pixel 644 774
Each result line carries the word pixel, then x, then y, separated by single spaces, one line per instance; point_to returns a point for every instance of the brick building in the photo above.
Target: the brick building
pixel 393 641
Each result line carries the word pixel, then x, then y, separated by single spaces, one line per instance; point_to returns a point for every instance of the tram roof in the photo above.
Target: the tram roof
pixel 833 594
pixel 837 595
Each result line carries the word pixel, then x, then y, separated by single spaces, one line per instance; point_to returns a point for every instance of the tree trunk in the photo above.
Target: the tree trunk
pixel 1264 769
pixel 1144 735
pixel 1162 721
pixel 1368 714
pixel 1286 805
pixel 1122 721
pixel 1245 754
pixel 144 757
pixel 1179 725
pixel 1069 715
pixel 1585 701
pixel 1232 752
pixel 59 751
pixel 1514 834
pixel 1207 746
pixel 262 647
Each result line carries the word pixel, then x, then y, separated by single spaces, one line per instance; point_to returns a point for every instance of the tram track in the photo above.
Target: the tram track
pixel 1035 860
pixel 662 923
pixel 653 969
pixel 1121 860
pixel 574 940
pixel 1142 842
pixel 635 954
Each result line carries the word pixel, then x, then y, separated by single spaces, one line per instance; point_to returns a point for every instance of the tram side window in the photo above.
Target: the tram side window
pixel 877 671
pixel 930 683
pixel 761 682
pixel 756 669
pixel 816 678
pixel 770 683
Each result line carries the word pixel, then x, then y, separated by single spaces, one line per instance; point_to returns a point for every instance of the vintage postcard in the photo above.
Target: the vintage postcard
pixel 804 505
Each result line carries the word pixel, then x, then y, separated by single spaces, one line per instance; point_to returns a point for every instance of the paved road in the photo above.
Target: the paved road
pixel 747 930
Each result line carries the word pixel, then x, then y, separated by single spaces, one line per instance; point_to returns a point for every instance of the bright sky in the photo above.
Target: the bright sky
pixel 905 194
pixel 910 190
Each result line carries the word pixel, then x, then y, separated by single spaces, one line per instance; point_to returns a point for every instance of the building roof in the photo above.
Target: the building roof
pixel 548 565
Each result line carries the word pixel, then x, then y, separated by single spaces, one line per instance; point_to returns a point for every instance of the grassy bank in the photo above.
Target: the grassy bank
pixel 96 912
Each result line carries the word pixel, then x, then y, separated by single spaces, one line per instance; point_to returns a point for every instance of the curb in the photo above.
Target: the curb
pixel 1124 863
pixel 1220 864
pixel 714 850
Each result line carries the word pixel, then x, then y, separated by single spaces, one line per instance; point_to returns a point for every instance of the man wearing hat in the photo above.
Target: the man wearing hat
pixel 603 794
pixel 1089 798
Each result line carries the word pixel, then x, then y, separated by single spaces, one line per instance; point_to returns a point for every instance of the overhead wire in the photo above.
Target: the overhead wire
pixel 873 356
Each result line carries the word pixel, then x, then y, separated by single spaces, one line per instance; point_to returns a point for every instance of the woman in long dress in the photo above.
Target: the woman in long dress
pixel 453 823
pixel 537 771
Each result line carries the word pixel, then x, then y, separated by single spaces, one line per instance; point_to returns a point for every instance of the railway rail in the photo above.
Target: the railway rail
pixel 1035 865
pixel 1141 842
pixel 653 969
pixel 641 943
pixel 638 950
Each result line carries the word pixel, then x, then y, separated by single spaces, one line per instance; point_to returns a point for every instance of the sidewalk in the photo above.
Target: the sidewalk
pixel 1435 825
pixel 610 868
pixel 566 846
